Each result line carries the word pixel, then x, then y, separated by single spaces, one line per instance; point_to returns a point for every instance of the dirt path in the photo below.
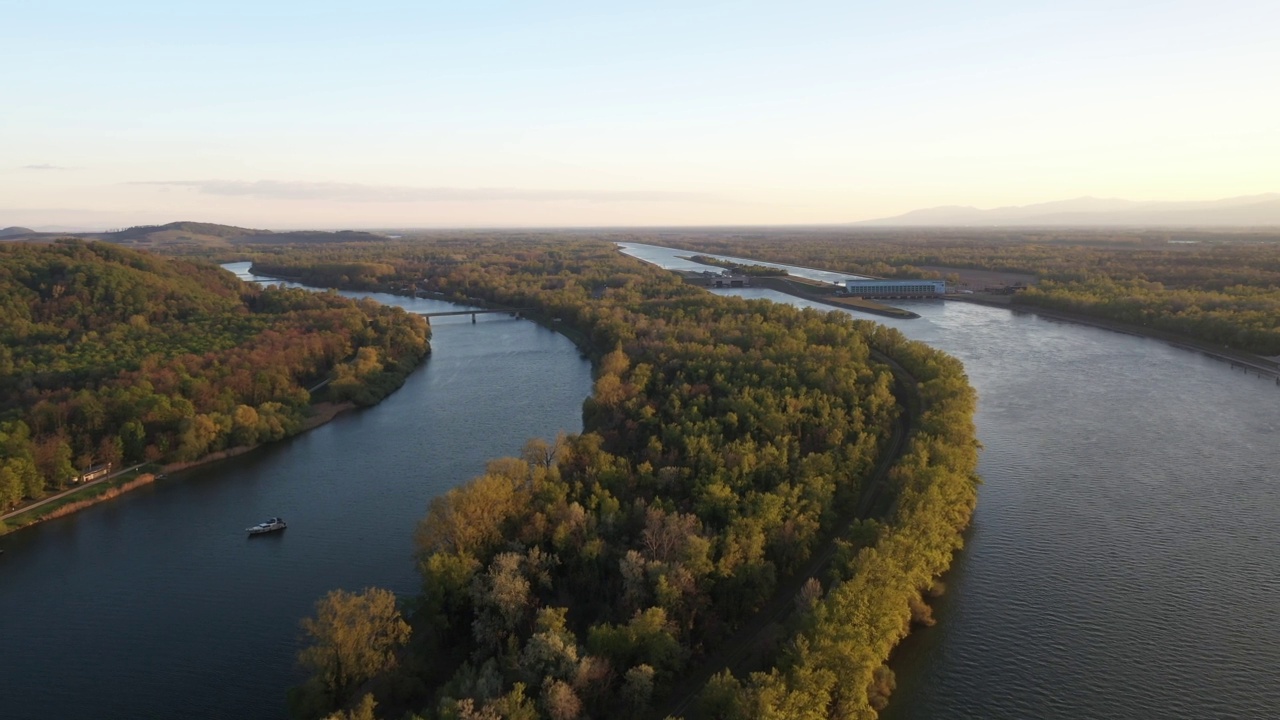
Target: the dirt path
pixel 45 501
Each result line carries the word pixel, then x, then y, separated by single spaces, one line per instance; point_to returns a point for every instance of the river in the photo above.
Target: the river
pixel 157 604
pixel 678 260
pixel 1123 559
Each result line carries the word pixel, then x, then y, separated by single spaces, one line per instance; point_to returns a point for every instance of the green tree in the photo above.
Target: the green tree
pixel 353 636
pixel 53 458
pixel 11 487
pixel 33 485
pixel 363 710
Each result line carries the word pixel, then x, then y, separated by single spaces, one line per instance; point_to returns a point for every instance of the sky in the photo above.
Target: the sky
pixel 283 114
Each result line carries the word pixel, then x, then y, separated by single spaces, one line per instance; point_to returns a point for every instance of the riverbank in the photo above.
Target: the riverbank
pixel 113 486
pixel 1248 362
pixel 73 499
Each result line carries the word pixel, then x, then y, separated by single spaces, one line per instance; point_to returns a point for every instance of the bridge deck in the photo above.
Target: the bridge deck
pixel 473 312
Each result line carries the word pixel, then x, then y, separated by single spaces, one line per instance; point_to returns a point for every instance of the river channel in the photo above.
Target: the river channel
pixel 157 605
pixel 1124 559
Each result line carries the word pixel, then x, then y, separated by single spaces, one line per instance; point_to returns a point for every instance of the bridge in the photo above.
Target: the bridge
pixel 518 312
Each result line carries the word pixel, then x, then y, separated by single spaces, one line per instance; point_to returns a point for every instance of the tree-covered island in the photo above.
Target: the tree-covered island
pixel 750 475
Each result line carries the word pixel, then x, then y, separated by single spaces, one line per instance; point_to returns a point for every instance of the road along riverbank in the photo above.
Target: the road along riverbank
pixel 74 498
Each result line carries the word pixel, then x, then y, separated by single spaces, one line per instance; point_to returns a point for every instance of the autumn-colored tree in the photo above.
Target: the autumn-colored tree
pixel 353 637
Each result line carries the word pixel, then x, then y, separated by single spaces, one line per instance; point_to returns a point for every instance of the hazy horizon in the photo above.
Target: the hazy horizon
pixel 671 114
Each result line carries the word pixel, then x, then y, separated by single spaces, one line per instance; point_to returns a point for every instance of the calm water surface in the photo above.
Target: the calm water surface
pixel 157 605
pixel 671 259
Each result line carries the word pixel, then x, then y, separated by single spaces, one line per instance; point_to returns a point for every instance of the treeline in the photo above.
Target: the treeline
pixel 726 443
pixel 1221 287
pixel 743 268
pixel 109 355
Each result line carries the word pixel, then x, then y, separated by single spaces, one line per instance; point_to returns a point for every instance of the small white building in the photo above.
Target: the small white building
pixel 896 288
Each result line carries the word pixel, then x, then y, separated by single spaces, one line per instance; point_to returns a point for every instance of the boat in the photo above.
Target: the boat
pixel 271 525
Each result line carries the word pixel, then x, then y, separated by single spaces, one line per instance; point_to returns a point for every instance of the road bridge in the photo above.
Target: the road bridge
pixel 517 312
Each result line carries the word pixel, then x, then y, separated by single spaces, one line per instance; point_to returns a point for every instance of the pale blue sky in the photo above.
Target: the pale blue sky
pixel 321 114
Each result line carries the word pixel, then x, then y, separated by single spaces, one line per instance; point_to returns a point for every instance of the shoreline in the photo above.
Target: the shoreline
pixel 1262 365
pixel 70 494
pixel 1249 362
pixel 322 413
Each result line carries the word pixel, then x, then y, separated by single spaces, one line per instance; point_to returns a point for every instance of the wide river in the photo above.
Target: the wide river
pixel 1122 562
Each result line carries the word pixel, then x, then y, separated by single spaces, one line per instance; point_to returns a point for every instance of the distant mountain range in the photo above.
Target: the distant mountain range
pixel 1244 211
pixel 195 234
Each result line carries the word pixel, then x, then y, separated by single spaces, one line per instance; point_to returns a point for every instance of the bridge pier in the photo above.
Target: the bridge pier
pixel 473 318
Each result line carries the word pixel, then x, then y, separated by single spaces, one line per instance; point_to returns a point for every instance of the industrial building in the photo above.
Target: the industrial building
pixel 896 288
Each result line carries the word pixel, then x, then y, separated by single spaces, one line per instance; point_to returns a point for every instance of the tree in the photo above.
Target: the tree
pixel 244 425
pixel 11 489
pixel 362 711
pixel 197 434
pixel 53 458
pixel 110 450
pixel 354 636
pixel 560 701
pixel 502 600
pixel 33 485
pixel 637 689
pixel 552 651
pixel 468 518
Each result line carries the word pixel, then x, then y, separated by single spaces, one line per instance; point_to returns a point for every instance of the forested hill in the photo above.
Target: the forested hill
pixel 112 355
pixel 198 238
pixel 195 237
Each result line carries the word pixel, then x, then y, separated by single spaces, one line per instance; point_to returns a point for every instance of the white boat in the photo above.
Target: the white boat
pixel 271 525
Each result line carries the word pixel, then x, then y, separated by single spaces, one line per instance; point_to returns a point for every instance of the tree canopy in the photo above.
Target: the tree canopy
pixel 113 355
pixel 728 445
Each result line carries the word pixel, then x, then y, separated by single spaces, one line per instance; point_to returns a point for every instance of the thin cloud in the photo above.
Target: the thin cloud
pixel 44 166
pixel 355 192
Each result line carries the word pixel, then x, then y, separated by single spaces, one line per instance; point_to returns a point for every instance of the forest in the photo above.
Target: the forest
pixel 111 355
pixel 735 454
pixel 741 268
pixel 1221 287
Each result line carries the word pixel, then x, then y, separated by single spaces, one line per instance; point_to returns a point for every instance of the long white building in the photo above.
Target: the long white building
pixel 896 288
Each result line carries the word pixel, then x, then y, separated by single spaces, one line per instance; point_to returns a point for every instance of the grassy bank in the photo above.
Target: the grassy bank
pixel 78 500
pixel 95 493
